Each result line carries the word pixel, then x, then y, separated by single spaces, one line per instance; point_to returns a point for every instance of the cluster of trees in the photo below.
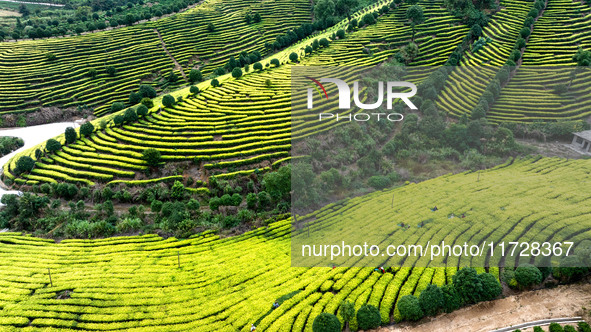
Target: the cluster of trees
pixel 329 12
pixel 244 60
pixel 468 287
pixel 547 130
pixel 77 17
pixel 9 144
pixel 571 268
pixel 368 317
pixel 143 96
pixel 175 209
pixel 524 33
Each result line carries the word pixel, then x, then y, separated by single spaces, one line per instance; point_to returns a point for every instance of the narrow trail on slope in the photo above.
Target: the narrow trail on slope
pixel 177 65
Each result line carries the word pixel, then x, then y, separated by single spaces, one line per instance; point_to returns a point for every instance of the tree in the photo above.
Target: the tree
pixel 524 32
pixel 410 308
pixel 293 57
pixel 118 119
pixel 193 205
pixel 324 9
pixel 451 299
pixel 117 106
pixel 555 327
pixel 278 184
pixel 571 268
pixel 569 328
pixel 528 275
pixel 308 49
pixel 24 164
pixel 347 311
pixel 177 191
pixel 194 90
pixel 134 98
pixel 236 72
pixel 168 101
pixel 147 91
pixel 256 18
pixel 323 42
pixel 341 33
pixel 24 10
pixel 195 75
pixel 431 300
pixel 274 62
pixel 48 56
pixel 142 110
pixel 476 30
pixel 147 102
pixel 343 7
pixel 215 83
pixel 367 19
pixel 582 57
pixel 172 77
pixel 91 73
pixel 247 18
pixel 111 71
pixel 53 145
pixel 491 288
pixel 210 27
pixel 264 199
pixel 368 317
pixel 151 156
pixel 478 113
pixel 414 14
pixel 129 116
pixel 326 322
pixel 86 129
pixel 409 52
pixel 468 285
pixel 71 135
pixel 257 66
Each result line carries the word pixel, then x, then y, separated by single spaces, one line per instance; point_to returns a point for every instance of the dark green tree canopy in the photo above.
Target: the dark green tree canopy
pixel 53 145
pixel 71 135
pixel 326 322
pixel 410 308
pixel 431 300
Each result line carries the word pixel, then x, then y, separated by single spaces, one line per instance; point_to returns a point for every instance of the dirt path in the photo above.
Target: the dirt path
pixel 562 301
pixel 176 63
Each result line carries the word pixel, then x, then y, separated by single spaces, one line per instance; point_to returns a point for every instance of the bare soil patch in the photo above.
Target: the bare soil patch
pixel 562 301
pixel 8 13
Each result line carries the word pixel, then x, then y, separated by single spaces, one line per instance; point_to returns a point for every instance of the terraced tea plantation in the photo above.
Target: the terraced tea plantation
pixel 54 72
pixel 244 124
pixel 135 283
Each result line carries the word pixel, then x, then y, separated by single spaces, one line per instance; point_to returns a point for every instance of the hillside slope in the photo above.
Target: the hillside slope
pixel 135 284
